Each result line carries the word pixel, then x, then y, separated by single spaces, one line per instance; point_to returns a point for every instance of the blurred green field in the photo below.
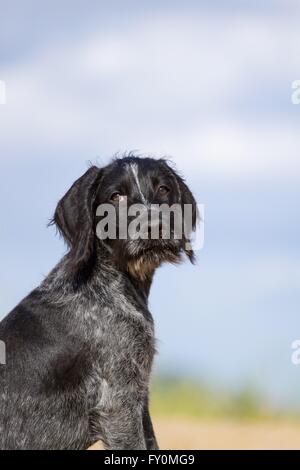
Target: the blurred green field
pixel 188 399
pixel 171 397
pixel 189 415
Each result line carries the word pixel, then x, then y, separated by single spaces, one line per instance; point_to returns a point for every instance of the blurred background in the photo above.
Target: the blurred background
pixel 208 84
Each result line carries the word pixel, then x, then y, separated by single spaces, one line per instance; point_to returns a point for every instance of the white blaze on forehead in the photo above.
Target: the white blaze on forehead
pixel 134 170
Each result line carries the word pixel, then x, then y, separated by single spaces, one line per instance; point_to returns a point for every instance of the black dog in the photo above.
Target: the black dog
pixel 79 348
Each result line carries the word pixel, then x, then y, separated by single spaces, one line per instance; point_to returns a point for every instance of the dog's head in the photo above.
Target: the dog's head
pixel 140 209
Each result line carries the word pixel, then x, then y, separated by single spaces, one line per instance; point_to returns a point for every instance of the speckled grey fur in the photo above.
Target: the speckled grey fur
pixel 80 347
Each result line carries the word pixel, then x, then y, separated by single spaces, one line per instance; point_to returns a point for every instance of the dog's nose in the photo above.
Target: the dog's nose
pixel 155 229
pixel 151 225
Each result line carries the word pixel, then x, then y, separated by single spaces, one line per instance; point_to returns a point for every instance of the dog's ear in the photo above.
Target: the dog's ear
pixel 75 219
pixel 186 197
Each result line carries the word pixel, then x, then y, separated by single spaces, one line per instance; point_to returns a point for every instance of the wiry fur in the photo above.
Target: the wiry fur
pixel 80 347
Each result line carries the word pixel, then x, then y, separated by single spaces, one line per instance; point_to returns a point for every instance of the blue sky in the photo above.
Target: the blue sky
pixel 206 83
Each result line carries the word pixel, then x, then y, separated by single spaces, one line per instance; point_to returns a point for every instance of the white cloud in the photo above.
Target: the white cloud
pixel 234 148
pixel 168 85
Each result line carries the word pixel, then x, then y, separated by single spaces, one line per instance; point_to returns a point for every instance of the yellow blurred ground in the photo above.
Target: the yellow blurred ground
pixel 178 433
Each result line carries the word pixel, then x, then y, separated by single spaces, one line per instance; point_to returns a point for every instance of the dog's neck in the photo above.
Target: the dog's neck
pixel 138 271
pixel 142 286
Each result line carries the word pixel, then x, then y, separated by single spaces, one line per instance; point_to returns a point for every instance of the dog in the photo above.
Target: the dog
pixel 80 347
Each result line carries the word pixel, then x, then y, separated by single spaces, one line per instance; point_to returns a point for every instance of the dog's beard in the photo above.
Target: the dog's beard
pixel 141 257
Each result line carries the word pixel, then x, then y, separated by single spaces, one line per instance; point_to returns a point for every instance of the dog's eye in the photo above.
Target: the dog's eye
pixel 163 190
pixel 115 196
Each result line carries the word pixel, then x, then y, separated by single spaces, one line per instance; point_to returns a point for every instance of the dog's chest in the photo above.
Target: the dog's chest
pixel 127 336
